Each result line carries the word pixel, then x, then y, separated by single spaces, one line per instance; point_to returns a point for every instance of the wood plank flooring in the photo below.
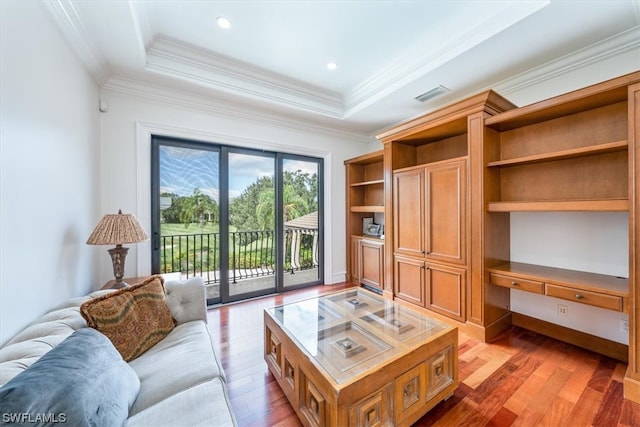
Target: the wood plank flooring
pixel 520 379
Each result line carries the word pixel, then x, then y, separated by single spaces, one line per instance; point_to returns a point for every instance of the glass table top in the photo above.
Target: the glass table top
pixel 352 331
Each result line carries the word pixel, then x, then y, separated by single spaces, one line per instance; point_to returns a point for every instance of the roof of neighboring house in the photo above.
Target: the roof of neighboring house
pixel 306 221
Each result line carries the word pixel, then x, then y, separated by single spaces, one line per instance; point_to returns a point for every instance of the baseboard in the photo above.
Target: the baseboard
pixel 590 342
pixel 631 388
pixel 489 332
pixel 337 278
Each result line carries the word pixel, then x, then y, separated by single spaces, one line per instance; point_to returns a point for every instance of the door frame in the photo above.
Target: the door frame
pixel 140 255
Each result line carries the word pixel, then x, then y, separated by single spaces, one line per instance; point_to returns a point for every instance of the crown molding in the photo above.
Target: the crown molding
pixel 142 26
pixel 419 60
pixel 181 99
pixel 68 20
pixel 616 45
pixel 187 62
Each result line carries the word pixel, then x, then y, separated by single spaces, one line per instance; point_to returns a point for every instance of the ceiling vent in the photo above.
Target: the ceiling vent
pixel 436 91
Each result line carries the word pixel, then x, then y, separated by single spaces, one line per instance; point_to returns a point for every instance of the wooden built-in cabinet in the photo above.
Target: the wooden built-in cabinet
pixel 571 153
pixel 451 179
pixel 429 205
pixel 365 199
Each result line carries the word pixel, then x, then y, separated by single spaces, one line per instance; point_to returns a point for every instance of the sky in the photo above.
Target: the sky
pixel 184 169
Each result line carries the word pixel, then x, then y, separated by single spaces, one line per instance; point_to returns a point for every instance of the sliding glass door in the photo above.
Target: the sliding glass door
pixel 185 218
pixel 248 221
pixel 252 224
pixel 301 220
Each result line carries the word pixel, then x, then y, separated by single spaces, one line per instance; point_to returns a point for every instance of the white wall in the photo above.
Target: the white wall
pixel 49 134
pixel 125 161
pixel 597 242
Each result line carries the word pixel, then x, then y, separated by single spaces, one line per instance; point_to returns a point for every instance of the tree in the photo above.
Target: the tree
pixel 254 208
pixel 195 207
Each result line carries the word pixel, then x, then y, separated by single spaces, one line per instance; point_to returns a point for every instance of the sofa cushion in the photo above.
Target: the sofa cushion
pixel 183 359
pixel 187 299
pixel 82 382
pixel 133 318
pixel 204 405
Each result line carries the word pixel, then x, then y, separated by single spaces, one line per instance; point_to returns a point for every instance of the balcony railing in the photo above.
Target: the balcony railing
pixel 251 253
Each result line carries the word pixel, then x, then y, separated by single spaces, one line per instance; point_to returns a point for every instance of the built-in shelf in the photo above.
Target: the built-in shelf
pixel 367 209
pixel 612 205
pixel 373 182
pixel 578 101
pixel 562 155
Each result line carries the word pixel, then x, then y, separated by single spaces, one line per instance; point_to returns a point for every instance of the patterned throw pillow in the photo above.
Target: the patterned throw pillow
pixel 133 318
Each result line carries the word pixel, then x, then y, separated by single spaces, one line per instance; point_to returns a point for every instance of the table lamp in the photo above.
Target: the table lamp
pixel 117 229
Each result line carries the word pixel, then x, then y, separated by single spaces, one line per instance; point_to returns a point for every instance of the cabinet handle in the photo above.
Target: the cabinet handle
pixel 579 296
pixel 514 283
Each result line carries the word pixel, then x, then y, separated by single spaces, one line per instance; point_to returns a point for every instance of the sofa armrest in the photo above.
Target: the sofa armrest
pixel 187 299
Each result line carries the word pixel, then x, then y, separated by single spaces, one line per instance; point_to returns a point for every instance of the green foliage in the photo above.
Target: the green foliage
pixel 254 209
pixel 193 221
pixel 197 207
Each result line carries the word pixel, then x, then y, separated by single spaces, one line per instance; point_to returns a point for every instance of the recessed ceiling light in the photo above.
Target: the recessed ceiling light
pixel 223 22
pixel 332 66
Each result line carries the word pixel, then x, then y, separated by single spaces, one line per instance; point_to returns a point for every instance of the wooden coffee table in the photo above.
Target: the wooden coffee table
pixel 353 358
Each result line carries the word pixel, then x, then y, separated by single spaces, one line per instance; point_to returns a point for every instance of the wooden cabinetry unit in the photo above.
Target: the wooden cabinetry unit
pixel 427 200
pixel 368 256
pixel 574 152
pixel 430 207
pixel 365 199
pixel 452 178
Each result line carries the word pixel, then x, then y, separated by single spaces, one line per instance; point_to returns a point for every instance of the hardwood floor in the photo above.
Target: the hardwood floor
pixel 520 379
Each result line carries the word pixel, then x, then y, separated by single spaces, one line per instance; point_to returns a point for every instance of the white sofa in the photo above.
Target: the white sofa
pixel 181 379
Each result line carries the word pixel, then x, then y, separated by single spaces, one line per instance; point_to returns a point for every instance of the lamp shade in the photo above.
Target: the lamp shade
pixel 117 229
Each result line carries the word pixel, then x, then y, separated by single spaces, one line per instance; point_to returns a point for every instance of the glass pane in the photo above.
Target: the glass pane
pixel 189 215
pixel 354 331
pixel 300 218
pixel 251 224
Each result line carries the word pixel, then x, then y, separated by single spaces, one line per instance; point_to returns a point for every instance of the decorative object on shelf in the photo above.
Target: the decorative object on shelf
pixel 118 229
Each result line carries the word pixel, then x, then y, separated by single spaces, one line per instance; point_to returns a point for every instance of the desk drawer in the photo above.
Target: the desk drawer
pixel 517 283
pixel 610 302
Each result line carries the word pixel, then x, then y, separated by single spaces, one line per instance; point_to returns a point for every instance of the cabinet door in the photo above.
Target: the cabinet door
pixel 371 263
pixel 408 208
pixel 355 260
pixel 445 195
pixel 408 276
pixel 446 290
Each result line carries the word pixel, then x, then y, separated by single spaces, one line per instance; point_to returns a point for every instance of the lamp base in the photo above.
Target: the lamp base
pixel 120 285
pixel 118 255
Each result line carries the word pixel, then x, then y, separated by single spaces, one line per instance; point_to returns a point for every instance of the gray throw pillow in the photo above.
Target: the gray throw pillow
pixel 82 382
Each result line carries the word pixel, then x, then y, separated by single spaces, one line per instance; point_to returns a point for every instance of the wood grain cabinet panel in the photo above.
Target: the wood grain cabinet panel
pixel 371 263
pixel 519 283
pixel 409 279
pixel 446 291
pixel 595 299
pixel 408 207
pixel 430 211
pixel 445 211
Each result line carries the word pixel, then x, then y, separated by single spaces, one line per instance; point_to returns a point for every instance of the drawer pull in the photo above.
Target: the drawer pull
pixel 514 283
pixel 579 296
